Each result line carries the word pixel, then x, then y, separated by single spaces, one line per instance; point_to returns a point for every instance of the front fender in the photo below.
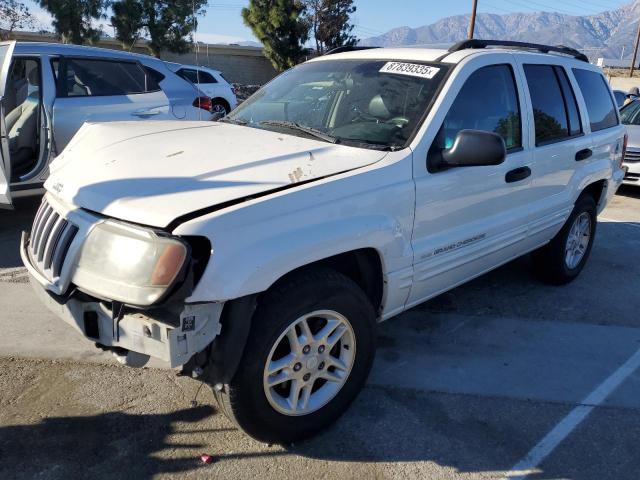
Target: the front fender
pixel 257 242
pixel 253 264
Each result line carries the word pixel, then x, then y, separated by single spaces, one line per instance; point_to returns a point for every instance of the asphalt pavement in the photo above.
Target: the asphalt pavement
pixel 501 377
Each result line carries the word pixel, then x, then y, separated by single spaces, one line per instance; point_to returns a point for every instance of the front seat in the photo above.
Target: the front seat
pixel 22 127
pixel 382 110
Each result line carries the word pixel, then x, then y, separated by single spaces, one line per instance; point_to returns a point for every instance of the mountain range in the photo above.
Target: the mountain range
pixel 607 34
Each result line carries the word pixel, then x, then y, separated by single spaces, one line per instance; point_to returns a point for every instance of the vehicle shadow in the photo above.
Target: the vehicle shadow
pixel 108 445
pixel 630 191
pixel 384 425
pixel 12 223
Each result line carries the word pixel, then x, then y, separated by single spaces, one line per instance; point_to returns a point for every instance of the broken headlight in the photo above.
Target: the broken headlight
pixel 128 264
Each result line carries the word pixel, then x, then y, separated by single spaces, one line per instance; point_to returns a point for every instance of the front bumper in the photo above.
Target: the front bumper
pixel 173 339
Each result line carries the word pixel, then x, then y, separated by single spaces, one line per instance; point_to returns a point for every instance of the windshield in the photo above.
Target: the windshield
pixel 372 103
pixel 630 113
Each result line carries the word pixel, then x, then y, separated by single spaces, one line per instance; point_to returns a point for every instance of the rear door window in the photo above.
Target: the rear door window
pixel 488 101
pixel 570 102
pixel 92 77
pixel 555 111
pixel 600 106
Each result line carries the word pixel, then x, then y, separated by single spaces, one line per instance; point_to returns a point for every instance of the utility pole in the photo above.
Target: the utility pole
pixel 635 52
pixel 472 23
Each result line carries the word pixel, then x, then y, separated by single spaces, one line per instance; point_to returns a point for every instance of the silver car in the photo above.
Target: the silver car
pixel 630 116
pixel 48 91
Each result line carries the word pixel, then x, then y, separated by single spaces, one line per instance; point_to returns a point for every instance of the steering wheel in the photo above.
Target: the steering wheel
pixel 399 122
pixel 362 116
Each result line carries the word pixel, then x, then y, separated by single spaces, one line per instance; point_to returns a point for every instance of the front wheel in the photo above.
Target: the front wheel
pixel 562 259
pixel 309 352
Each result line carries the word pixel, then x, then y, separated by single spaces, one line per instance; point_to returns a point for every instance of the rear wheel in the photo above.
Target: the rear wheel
pixel 309 352
pixel 220 106
pixel 562 259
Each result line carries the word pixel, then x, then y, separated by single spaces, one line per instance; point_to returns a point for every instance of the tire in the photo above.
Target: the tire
pixel 252 405
pixel 552 263
pixel 220 106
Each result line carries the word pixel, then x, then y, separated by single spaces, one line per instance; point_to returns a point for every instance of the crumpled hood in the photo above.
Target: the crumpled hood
pixel 154 172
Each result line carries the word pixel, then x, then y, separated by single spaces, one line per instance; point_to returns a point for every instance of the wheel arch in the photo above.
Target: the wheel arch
pixel 363 266
pixel 223 101
pixel 597 190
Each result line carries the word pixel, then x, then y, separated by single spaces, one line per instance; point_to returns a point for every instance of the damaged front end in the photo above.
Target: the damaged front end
pixel 124 287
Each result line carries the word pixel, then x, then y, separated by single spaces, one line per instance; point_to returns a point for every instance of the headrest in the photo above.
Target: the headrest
pixel 377 108
pixel 34 77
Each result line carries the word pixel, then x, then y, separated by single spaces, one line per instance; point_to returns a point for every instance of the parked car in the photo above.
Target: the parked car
pixel 263 268
pixel 211 83
pixel 630 116
pixel 49 90
pixel 620 97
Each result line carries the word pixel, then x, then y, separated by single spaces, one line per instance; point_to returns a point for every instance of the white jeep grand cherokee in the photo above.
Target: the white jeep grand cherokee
pixel 344 192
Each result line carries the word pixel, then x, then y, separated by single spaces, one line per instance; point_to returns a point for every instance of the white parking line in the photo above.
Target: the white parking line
pixel 619 221
pixel 537 454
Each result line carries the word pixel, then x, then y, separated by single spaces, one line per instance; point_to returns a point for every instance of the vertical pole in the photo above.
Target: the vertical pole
pixel 472 22
pixel 635 52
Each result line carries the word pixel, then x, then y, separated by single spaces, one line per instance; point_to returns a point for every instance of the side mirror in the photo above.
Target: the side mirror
pixel 472 148
pixel 217 116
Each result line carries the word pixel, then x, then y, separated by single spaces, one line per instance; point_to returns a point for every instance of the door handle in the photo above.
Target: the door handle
pixel 517 174
pixel 583 154
pixel 145 113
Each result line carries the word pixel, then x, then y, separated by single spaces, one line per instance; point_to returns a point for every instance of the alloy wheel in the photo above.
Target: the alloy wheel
pixel 309 363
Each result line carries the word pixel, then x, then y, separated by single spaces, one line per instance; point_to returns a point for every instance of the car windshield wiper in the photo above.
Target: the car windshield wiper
pixel 235 121
pixel 301 128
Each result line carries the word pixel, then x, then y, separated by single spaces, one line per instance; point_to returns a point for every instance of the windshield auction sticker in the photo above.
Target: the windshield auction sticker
pixel 411 69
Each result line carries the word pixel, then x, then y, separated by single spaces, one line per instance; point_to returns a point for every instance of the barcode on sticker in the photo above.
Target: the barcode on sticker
pixel 411 69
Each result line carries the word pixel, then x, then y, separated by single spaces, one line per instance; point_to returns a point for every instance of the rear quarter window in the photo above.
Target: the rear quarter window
pixel 206 77
pixel 597 97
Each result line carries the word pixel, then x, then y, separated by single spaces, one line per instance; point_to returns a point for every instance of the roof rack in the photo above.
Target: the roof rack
pixel 347 48
pixel 477 43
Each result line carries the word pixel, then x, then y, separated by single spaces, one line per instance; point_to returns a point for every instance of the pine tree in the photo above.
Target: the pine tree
pixel 329 22
pixel 279 25
pixel 168 24
pixel 72 19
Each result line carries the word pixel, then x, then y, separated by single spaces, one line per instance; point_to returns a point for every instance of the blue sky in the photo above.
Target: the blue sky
pixel 223 24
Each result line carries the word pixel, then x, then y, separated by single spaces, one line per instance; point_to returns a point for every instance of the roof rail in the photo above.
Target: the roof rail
pixel 347 48
pixel 477 43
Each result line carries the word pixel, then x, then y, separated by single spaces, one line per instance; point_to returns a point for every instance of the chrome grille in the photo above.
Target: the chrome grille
pixel 51 237
pixel 632 156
